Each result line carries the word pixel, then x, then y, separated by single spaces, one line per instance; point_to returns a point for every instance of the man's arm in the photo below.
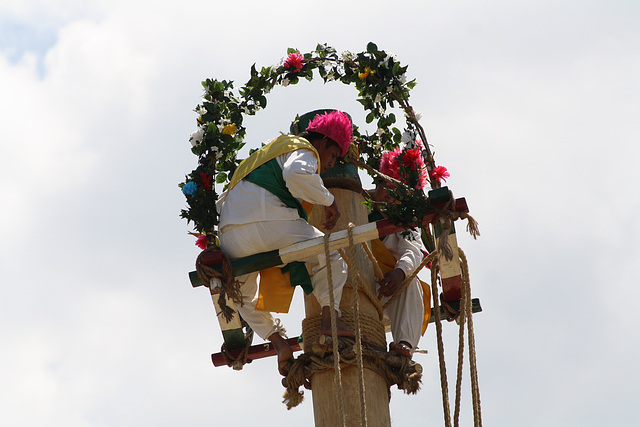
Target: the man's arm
pixel 299 173
pixel 408 253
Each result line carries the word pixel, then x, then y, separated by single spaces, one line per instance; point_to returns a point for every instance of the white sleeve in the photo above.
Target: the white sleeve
pixel 299 172
pixel 407 251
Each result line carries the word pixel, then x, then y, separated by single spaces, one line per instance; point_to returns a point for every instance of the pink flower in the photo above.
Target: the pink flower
pixel 294 60
pixel 439 173
pixel 410 158
pixel 202 242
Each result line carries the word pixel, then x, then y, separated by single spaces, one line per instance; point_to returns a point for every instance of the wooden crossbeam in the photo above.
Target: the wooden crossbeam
pixel 315 246
pixel 266 349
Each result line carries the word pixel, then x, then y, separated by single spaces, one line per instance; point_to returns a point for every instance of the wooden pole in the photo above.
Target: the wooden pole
pixel 325 395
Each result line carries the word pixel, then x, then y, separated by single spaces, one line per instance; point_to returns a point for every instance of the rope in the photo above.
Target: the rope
pixel 465 316
pixel 334 334
pixel 376 267
pixel 372 297
pixel 443 368
pixel 395 369
pixel 462 318
pixel 356 301
pixel 238 362
pixel 407 280
pixel 473 368
pixel 229 286
pixel 370 326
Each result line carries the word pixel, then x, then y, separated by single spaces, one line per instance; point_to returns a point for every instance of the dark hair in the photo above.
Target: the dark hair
pixel 316 136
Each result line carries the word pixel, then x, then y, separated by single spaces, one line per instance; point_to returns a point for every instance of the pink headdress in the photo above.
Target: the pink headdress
pixel 335 125
pixel 411 158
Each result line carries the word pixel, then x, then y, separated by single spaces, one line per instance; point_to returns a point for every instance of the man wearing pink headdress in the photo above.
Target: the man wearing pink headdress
pixel 398 257
pixel 262 210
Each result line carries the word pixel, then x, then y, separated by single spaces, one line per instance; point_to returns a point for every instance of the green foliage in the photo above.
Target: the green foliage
pixel 377 76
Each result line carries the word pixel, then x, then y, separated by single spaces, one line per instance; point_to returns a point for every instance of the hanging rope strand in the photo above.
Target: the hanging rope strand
pixel 334 335
pixel 443 368
pixel 461 317
pixel 376 267
pixel 356 304
pixel 407 280
pixel 372 298
pixel 473 369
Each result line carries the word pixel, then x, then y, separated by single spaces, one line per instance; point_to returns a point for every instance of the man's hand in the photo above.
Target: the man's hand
pixel 391 281
pixel 331 215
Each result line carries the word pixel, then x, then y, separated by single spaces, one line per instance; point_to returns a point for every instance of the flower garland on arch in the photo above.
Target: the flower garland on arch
pixel 381 82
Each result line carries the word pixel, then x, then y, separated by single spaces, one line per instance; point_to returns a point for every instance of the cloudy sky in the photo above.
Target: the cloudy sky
pixel 533 106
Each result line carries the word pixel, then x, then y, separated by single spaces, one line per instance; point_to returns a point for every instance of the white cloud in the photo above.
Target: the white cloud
pixel 534 116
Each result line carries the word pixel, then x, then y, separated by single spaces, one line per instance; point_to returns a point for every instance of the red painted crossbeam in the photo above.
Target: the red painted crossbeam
pixel 255 352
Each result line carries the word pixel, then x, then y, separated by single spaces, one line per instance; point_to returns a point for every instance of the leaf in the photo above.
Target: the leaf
pixel 370 117
pixel 221 177
pixel 372 48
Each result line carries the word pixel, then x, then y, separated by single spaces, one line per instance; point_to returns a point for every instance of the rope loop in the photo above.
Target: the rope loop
pixel 229 287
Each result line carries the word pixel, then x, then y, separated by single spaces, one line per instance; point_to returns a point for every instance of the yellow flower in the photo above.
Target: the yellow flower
pixel 229 129
pixel 363 75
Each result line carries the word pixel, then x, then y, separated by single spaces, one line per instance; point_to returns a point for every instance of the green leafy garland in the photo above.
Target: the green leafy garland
pixel 381 83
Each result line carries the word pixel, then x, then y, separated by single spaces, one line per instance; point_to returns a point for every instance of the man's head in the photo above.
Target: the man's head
pixel 329 131
pixel 336 126
pixel 328 149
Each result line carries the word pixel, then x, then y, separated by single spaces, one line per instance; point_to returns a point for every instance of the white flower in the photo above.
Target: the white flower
pixel 201 110
pixel 402 79
pixel 285 82
pixel 380 131
pixel 416 114
pixel 347 56
pixel 378 98
pixel 377 146
pixel 196 137
pixel 407 137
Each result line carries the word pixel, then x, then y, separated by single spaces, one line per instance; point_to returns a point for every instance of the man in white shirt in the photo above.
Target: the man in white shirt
pixel 399 255
pixel 262 211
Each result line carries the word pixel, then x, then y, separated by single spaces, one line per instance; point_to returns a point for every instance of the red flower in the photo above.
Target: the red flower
pixel 206 181
pixel 411 158
pixel 294 60
pixel 439 173
pixel 202 242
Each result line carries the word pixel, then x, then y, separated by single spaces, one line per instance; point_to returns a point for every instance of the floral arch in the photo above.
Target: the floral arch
pixel 381 82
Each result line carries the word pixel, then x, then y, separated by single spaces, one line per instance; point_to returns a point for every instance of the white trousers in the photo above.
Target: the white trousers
pixel 406 314
pixel 249 239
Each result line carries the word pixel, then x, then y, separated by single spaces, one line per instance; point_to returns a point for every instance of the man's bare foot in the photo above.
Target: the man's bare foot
pixel 343 330
pixel 285 353
pixel 402 349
